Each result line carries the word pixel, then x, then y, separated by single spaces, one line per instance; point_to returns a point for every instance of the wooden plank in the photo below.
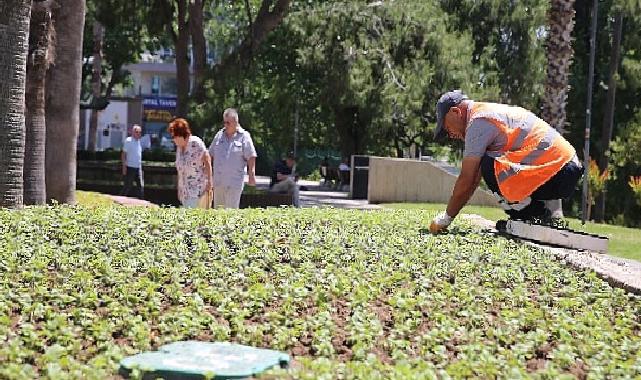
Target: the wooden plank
pixel 556 236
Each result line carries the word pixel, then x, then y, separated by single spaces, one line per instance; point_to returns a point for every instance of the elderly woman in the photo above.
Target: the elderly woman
pixel 193 165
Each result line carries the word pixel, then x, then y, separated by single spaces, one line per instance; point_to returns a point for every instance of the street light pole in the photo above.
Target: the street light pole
pixel 588 113
pixel 295 128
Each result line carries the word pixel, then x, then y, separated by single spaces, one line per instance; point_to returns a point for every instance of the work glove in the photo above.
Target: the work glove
pixel 440 223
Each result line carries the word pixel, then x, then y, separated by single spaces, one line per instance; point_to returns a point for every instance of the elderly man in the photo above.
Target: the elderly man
pixel 524 162
pixel 232 151
pixel 131 158
pixel 284 178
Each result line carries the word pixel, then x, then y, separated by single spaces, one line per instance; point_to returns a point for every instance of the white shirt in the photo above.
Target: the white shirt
pixel 133 150
pixel 230 155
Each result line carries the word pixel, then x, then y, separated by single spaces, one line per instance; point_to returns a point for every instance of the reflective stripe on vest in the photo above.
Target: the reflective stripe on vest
pixel 544 144
pixel 533 153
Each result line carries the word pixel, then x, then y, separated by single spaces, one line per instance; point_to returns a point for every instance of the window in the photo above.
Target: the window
pixel 155 85
pixel 169 86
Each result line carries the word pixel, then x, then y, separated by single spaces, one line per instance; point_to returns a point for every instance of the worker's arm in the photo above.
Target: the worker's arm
pixel 465 185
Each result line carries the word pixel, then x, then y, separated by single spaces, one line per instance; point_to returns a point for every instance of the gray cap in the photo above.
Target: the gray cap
pixel 445 102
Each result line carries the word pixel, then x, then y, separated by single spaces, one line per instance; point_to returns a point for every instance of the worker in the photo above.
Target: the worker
pixel 524 162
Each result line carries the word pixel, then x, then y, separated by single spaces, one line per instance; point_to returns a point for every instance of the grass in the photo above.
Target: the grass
pixel 624 242
pixel 92 199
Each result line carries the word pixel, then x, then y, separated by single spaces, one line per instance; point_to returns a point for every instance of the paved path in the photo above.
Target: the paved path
pixel 320 196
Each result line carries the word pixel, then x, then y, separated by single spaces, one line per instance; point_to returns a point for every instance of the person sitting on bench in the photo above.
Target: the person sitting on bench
pixel 284 178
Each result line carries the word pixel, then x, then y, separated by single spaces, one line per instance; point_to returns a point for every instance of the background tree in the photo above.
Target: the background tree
pixel 114 35
pixel 41 36
pixel 608 115
pixel 14 40
pixel 508 46
pixel 62 102
pixel 619 204
pixel 96 80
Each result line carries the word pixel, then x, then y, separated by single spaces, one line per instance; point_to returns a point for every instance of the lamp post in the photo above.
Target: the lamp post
pixel 588 112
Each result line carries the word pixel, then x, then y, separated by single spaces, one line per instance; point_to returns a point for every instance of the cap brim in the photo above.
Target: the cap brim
pixel 439 132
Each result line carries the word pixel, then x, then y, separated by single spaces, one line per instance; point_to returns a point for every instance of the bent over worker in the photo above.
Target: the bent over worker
pixel 523 160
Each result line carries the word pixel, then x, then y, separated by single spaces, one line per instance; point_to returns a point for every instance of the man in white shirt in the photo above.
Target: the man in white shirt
pixel 232 151
pixel 131 158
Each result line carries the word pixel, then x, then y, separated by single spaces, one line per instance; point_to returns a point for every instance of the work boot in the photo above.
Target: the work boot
pixel 556 208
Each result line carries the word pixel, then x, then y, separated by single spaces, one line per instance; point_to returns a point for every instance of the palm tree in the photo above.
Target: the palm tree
pixel 14 42
pixel 558 49
pixel 40 56
pixel 63 102
pixel 559 56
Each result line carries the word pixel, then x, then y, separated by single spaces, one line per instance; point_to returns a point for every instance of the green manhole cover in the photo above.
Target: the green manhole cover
pixel 198 360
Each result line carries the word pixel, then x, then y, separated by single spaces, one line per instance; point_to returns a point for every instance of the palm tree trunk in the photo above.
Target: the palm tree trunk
pixel 96 81
pixel 40 48
pixel 608 116
pixel 63 102
pixel 559 56
pixel 14 42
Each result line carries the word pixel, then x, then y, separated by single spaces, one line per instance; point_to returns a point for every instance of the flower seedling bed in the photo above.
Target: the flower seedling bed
pixel 345 293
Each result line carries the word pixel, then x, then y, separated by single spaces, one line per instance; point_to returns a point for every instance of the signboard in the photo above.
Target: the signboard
pixel 159 109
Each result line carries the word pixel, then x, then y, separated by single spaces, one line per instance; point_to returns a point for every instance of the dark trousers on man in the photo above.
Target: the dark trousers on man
pixel 133 175
pixel 560 186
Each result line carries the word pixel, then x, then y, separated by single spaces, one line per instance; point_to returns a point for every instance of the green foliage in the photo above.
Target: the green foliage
pixel 91 199
pixel 508 42
pixel 125 38
pixel 620 203
pixel 83 288
pixel 364 78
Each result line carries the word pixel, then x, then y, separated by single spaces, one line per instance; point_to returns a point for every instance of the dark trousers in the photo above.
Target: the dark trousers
pixel 133 175
pixel 561 186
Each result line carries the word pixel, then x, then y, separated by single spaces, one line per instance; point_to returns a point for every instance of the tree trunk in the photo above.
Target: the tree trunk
pixel 14 42
pixel 181 42
pixel 559 57
pixel 199 49
pixel 63 102
pixel 96 81
pixel 608 116
pixel 350 124
pixel 268 18
pixel 40 49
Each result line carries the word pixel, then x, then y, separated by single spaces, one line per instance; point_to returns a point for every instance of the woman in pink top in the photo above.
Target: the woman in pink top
pixel 193 165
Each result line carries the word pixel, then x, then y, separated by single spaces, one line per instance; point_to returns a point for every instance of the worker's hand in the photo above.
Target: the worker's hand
pixel 440 223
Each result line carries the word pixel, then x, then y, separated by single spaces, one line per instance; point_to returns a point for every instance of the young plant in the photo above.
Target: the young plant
pixel 635 184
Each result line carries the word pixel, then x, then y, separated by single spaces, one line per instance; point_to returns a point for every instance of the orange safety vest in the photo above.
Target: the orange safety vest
pixel 534 151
